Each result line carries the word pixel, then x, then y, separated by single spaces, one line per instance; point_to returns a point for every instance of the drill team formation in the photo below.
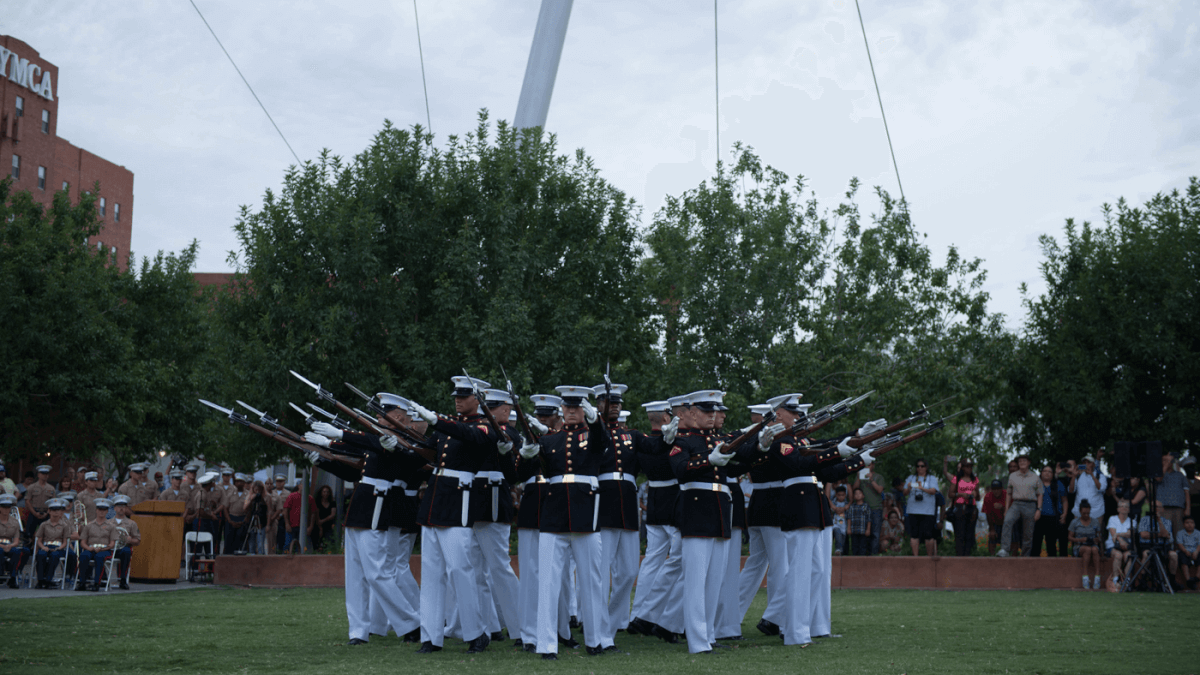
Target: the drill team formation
pixel 448 477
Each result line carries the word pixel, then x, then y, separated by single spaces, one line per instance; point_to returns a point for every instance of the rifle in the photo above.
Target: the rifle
pixel 487 412
pixel 517 407
pixel 930 428
pixel 353 460
pixel 858 442
pixel 752 432
pixel 413 438
pixel 810 422
pixel 272 423
pixel 363 420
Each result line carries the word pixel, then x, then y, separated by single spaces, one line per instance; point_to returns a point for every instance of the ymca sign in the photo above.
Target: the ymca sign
pixel 26 74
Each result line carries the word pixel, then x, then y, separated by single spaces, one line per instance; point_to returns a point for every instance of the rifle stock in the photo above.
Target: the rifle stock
pixel 752 432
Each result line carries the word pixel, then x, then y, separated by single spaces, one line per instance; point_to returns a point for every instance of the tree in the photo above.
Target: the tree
pixel 92 359
pixel 1111 349
pixel 396 270
pixel 761 292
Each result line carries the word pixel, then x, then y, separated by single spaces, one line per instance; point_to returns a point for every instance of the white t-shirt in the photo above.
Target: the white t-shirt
pixel 1114 524
pixel 1085 488
pixel 926 506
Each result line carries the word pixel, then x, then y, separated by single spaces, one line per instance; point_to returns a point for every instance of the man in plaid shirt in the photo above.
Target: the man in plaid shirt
pixel 858 517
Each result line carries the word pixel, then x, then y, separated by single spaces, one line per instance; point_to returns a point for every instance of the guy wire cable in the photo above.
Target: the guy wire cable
pixel 717 84
pixel 421 53
pixel 878 96
pixel 239 72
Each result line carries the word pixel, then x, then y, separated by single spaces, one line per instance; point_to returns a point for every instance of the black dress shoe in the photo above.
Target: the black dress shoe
pixel 595 651
pixel 665 635
pixel 768 627
pixel 124 586
pixel 81 587
pixel 497 636
pixel 549 657
pixel 413 636
pixel 479 644
pixel 428 647
pixel 827 635
pixel 732 638
pixel 573 623
pixel 12 582
pixel 610 648
pixel 570 643
pixel 530 648
pixel 518 642
pixel 705 652
pixel 94 589
pixel 722 646
pixel 354 642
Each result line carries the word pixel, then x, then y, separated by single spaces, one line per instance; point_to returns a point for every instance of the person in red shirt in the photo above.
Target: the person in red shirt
pixel 292 506
pixel 993 508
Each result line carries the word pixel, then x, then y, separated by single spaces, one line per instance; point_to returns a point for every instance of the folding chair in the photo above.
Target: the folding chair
pixel 193 543
pixel 62 563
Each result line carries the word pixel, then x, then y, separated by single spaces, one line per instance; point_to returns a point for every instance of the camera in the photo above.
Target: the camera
pixel 920 496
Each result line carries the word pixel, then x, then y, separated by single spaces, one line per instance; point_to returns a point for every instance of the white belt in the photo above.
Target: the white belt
pixel 490 476
pixel 662 483
pixel 535 479
pixel 707 487
pixel 768 485
pixel 731 481
pixel 379 484
pixel 574 478
pixel 400 484
pixel 801 479
pixel 410 493
pixel 460 476
pixel 617 475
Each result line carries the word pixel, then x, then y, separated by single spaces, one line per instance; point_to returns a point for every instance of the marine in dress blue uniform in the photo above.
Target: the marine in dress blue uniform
pixel 619 523
pixel 568 518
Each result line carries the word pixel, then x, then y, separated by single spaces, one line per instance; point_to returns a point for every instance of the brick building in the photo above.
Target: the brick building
pixel 43 163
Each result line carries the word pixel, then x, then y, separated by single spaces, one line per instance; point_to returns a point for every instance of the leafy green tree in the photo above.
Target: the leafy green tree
pixel 396 270
pixel 1111 349
pixel 761 291
pixel 93 360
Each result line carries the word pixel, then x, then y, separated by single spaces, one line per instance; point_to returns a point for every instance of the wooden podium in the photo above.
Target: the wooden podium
pixel 157 558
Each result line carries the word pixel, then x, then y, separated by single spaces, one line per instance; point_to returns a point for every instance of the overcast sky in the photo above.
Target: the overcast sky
pixel 1007 117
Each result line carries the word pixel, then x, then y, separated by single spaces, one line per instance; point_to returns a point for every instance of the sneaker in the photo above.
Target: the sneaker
pixel 1096 582
pixel 1001 553
pixel 1087 583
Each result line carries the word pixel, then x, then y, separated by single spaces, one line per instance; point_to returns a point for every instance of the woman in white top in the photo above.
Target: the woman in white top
pixel 921 490
pixel 1120 546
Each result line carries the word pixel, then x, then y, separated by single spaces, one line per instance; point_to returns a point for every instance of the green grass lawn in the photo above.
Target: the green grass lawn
pixel 222 630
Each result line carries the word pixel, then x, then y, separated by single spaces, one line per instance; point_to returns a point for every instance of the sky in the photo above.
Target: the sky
pixel 1006 117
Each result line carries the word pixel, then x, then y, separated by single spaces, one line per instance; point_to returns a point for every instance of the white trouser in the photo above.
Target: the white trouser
pixel 527 590
pixel 488 617
pixel 620 549
pixel 404 576
pixel 703 574
pixel 658 544
pixel 664 603
pixel 553 552
pixel 572 574
pixel 822 582
pixel 492 540
pixel 768 551
pixel 796 627
pixel 445 562
pixel 729 619
pixel 371 586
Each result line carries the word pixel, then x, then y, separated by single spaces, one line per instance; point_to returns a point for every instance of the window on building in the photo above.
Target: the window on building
pixel 117 211
pixel 41 178
pixel 103 208
pixel 114 251
pixel 99 246
pixel 20 107
pixel 16 172
pixel 66 185
pixel 45 121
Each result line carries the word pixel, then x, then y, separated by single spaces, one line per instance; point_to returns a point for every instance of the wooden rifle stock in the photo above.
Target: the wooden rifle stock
pixel 752 432
pixel 305 447
pixel 858 442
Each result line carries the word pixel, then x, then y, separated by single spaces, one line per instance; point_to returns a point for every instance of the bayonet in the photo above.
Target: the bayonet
pixel 307 415
pixel 372 403
pixel 333 419
pixel 321 391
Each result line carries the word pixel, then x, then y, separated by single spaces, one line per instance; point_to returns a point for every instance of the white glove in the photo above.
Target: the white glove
pixel 767 436
pixel 845 449
pixel 530 450
pixel 388 442
pixel 313 456
pixel 669 430
pixel 867 459
pixel 745 430
pixel 504 447
pixel 316 439
pixel 425 413
pixel 872 426
pixel 718 458
pixel 327 430
pixel 536 425
pixel 589 411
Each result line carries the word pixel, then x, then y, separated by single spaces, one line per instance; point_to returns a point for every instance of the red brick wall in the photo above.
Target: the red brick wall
pixel 23 136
